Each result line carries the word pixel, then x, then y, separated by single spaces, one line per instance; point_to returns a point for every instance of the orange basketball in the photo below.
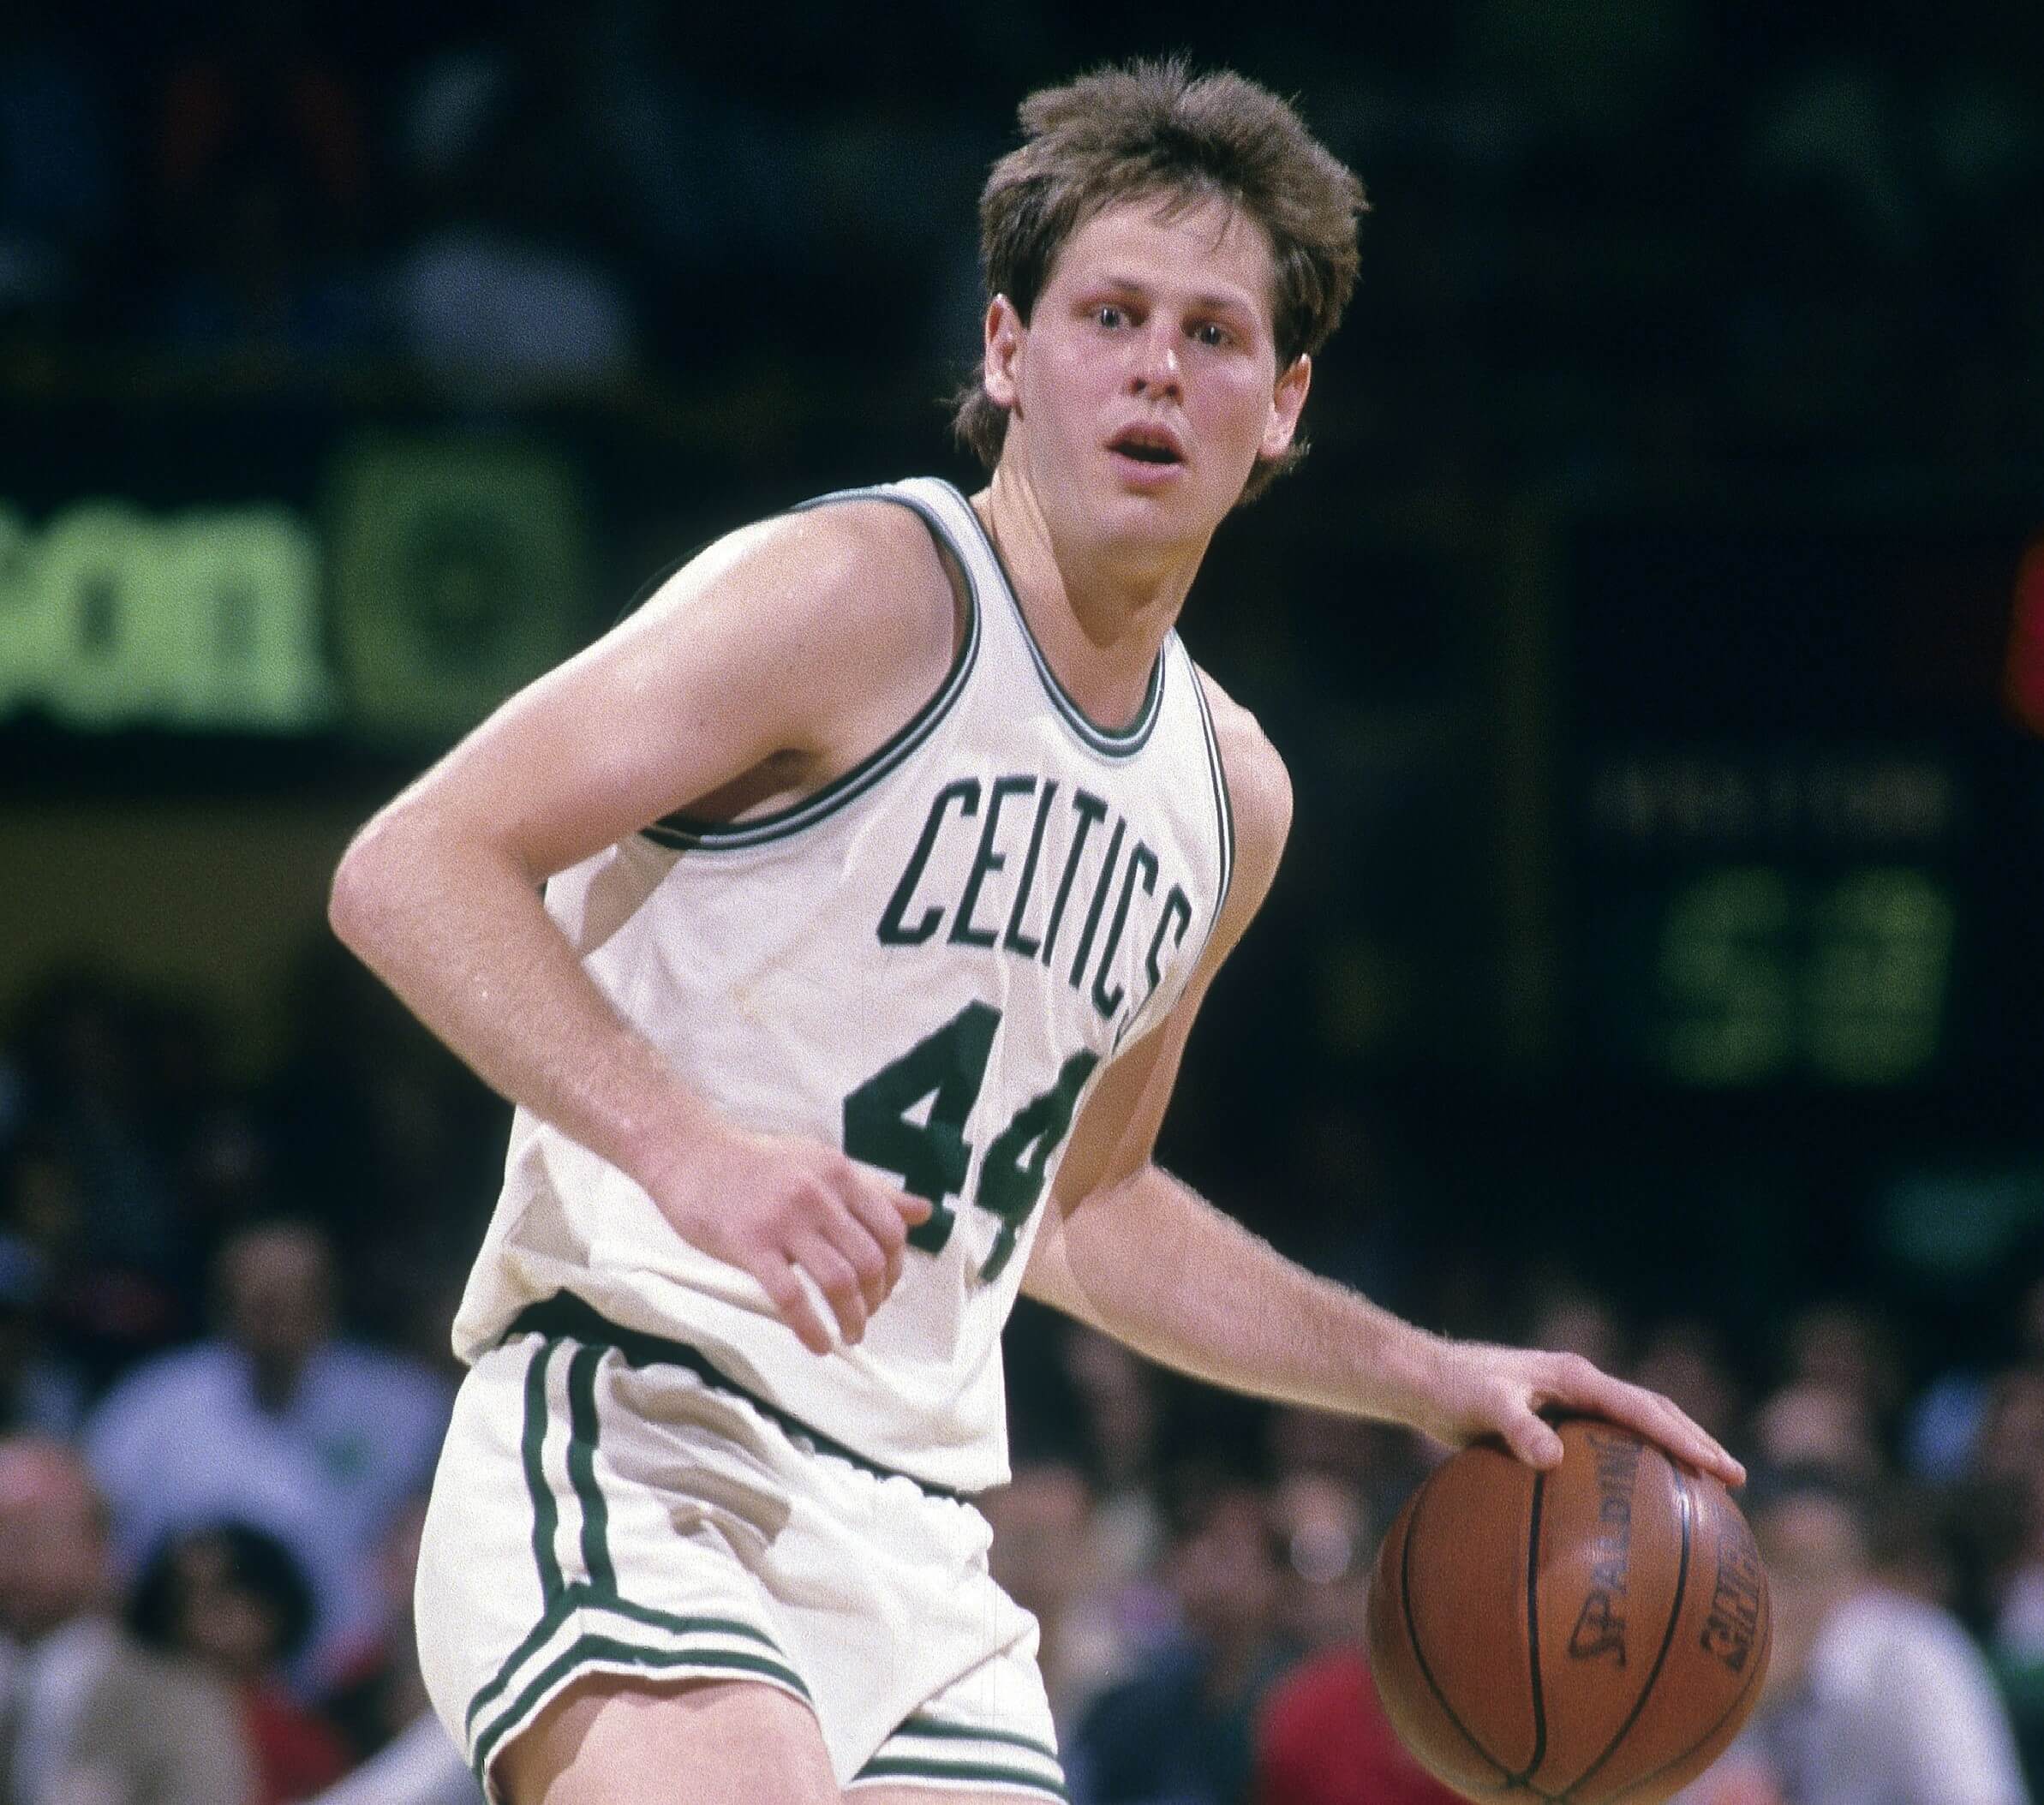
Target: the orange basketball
pixel 1594 1635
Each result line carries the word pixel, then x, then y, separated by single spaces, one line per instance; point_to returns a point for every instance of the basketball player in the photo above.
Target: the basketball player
pixel 888 853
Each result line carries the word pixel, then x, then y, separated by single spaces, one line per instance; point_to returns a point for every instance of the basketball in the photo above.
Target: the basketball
pixel 1593 1635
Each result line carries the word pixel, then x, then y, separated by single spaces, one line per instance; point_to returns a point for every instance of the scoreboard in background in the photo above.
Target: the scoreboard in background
pixel 1801 817
pixel 1776 913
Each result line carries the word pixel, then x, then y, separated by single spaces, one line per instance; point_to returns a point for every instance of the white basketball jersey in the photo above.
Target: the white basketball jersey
pixel 928 962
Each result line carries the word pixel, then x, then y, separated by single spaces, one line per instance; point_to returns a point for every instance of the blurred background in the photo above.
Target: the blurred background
pixel 1656 636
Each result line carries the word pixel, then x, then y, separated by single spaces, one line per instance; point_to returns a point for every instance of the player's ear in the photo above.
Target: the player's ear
pixel 1005 333
pixel 1287 401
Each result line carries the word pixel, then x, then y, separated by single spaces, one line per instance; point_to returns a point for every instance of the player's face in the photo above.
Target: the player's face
pixel 1145 384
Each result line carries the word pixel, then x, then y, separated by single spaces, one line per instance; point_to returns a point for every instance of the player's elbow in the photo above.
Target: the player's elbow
pixel 362 901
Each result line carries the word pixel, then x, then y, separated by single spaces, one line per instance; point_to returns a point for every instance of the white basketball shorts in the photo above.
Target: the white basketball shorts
pixel 605 1503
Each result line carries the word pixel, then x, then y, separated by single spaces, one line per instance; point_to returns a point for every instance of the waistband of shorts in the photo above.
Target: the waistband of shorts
pixel 570 1318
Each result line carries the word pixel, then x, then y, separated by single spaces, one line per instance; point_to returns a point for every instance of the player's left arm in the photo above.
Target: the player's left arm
pixel 1139 1255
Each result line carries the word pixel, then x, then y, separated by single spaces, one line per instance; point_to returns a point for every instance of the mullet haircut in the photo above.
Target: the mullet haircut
pixel 1154 131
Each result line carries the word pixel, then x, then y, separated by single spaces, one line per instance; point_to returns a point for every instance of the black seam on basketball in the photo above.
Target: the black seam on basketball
pixel 1686 1506
pixel 1524 1776
pixel 1647 1779
pixel 1412 1631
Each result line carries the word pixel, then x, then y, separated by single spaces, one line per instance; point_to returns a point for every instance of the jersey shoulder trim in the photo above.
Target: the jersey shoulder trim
pixel 684 833
pixel 1108 742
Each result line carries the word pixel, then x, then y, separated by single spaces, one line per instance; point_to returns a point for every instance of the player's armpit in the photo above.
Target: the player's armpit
pixel 1049 1278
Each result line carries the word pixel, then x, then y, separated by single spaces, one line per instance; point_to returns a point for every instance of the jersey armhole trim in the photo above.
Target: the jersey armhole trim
pixel 1109 743
pixel 681 832
pixel 1223 810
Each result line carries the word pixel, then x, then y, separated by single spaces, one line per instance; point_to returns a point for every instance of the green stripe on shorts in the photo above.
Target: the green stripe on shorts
pixel 903 1767
pixel 582 1469
pixel 597 1652
pixel 919 1725
pixel 580 1598
pixel 546 1514
pixel 562 1599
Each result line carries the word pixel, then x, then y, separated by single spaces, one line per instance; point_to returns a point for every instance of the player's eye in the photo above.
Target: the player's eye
pixel 1212 333
pixel 1110 316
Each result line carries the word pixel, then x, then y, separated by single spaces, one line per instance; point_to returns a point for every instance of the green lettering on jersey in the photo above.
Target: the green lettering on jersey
pixel 1090 809
pixel 1144 861
pixel 1100 890
pixel 1011 1180
pixel 931 1155
pixel 894 931
pixel 963 933
pixel 1015 940
pixel 1176 917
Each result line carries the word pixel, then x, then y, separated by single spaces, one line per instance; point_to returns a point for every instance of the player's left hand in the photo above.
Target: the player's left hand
pixel 1478 1390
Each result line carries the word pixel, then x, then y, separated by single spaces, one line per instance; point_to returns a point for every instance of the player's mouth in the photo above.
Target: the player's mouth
pixel 1147 455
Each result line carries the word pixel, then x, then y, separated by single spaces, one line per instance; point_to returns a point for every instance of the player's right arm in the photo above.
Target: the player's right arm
pixel 772 662
pixel 1225 1306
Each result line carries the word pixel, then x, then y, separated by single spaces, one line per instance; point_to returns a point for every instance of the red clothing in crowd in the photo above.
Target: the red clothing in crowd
pixel 1323 1739
pixel 296 1753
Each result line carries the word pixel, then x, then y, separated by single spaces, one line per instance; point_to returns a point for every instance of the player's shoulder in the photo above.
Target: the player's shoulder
pixel 860 563
pixel 857 553
pixel 1260 788
pixel 850 533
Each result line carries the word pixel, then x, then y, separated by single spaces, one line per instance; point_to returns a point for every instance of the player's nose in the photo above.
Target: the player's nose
pixel 1157 368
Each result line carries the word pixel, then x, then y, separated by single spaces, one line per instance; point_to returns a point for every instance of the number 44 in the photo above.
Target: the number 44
pixel 932 1155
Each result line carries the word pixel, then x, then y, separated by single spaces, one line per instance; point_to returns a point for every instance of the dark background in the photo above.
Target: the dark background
pixel 1647 632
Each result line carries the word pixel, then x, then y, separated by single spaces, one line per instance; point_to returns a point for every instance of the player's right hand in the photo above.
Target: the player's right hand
pixel 1474 1390
pixel 785 1209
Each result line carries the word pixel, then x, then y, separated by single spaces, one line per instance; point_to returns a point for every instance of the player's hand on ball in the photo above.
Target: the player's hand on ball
pixel 1480 1390
pixel 784 1209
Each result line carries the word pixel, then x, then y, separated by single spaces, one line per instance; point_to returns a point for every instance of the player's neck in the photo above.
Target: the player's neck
pixel 1099 615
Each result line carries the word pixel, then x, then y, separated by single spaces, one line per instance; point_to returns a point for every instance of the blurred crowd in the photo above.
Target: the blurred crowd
pixel 1201 1569
pixel 224 1381
pixel 1661 235
pixel 223 1375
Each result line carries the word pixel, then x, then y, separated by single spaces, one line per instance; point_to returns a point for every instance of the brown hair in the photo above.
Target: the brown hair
pixel 1155 129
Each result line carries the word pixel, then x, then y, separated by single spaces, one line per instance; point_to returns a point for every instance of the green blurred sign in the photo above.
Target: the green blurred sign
pixel 432 576
pixel 209 618
pixel 458 577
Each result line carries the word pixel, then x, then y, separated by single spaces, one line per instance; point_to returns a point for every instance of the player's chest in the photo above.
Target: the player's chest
pixel 1076 897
